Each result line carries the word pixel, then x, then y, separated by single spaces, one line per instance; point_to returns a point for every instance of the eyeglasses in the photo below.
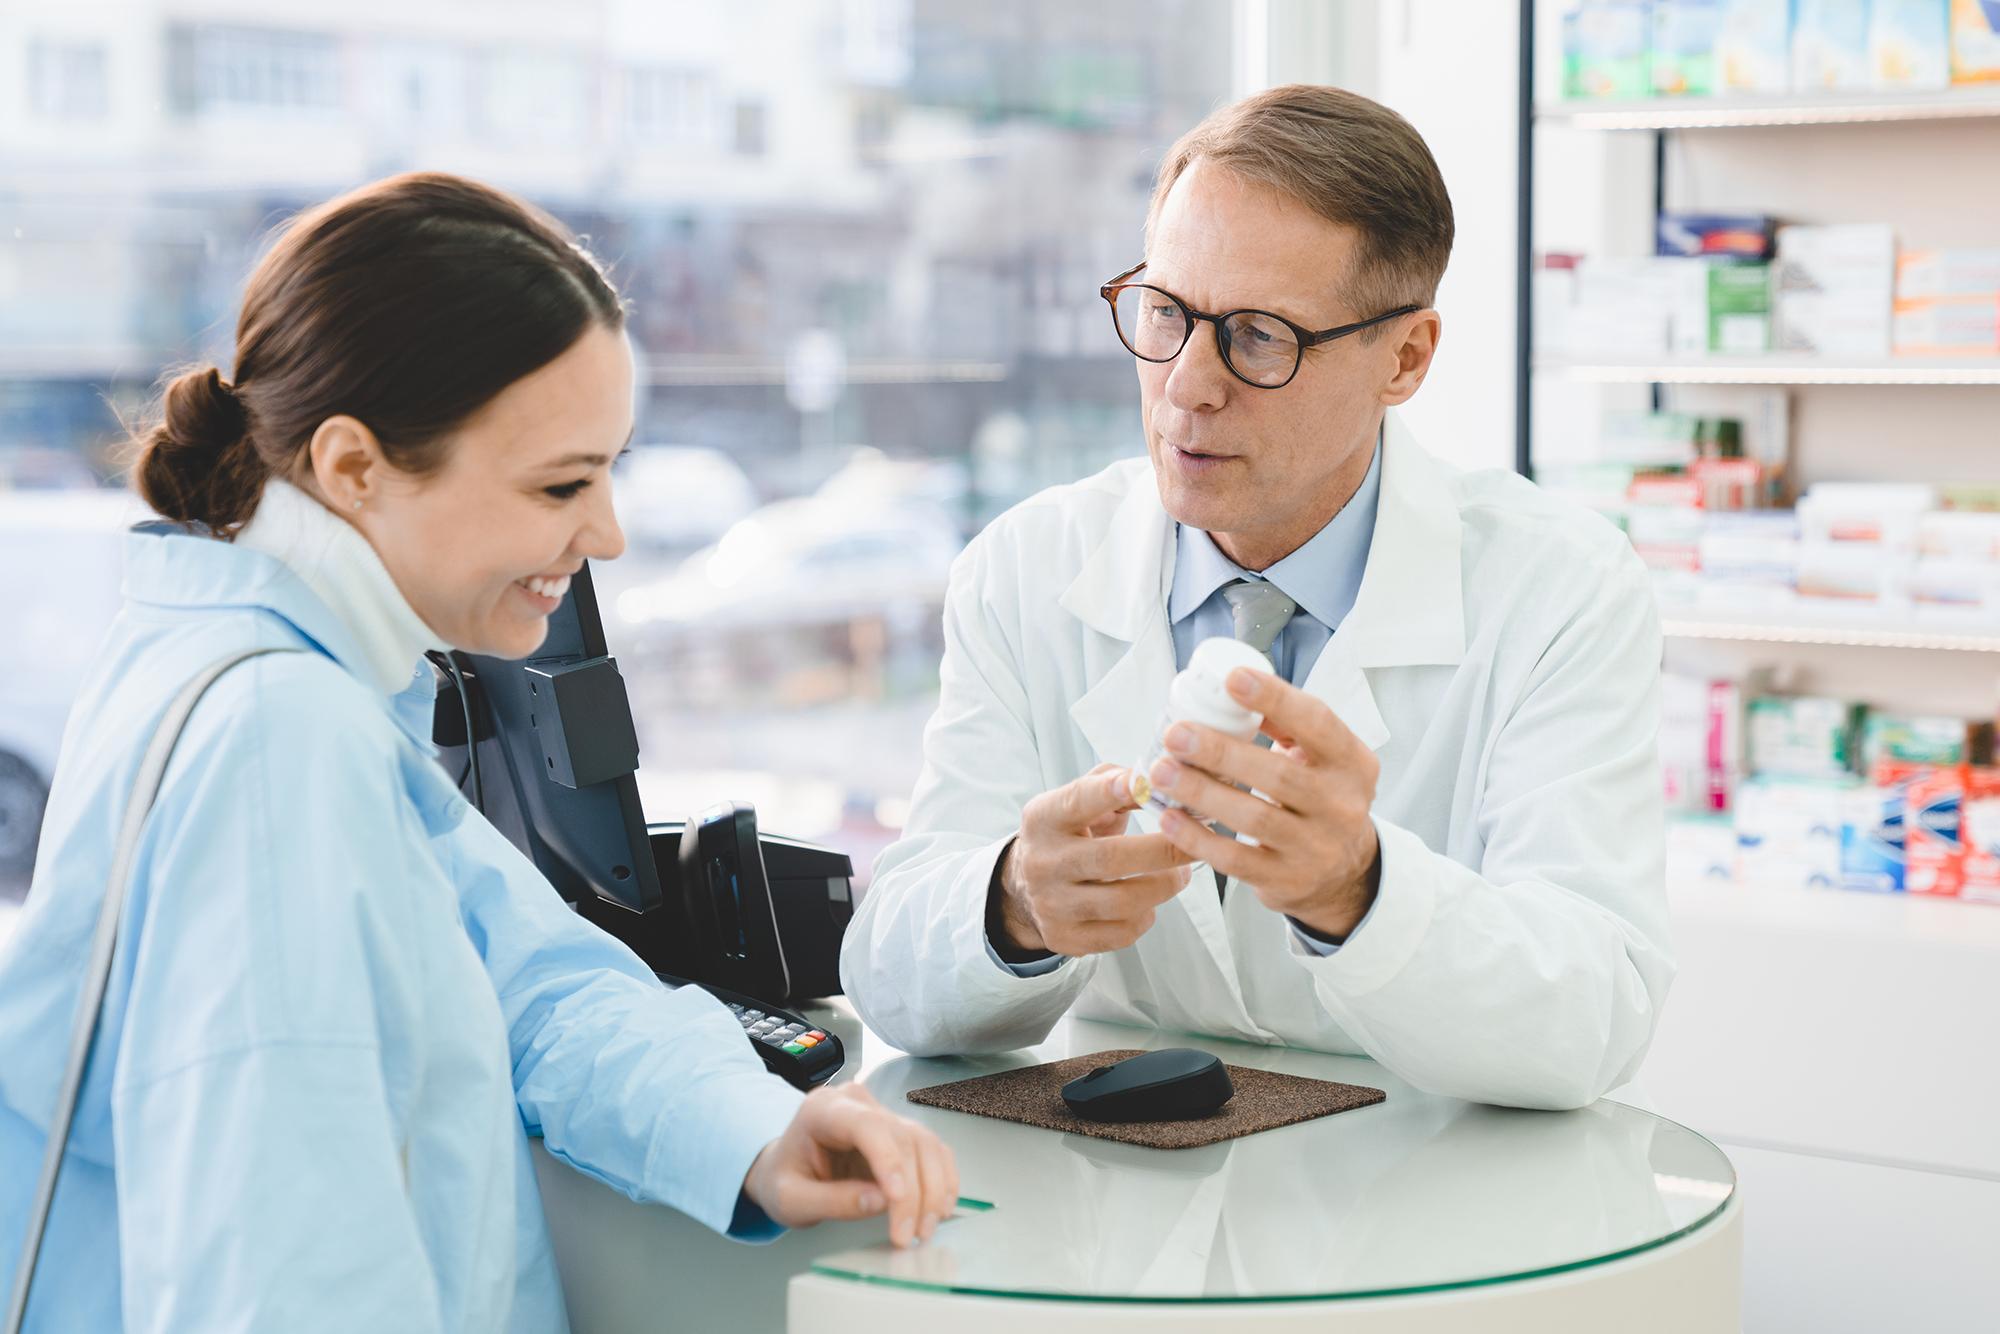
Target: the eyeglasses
pixel 1259 348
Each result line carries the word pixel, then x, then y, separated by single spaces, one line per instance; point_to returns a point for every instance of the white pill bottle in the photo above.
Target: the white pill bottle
pixel 1200 694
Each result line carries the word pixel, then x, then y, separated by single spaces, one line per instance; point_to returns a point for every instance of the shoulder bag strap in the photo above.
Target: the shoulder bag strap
pixel 103 942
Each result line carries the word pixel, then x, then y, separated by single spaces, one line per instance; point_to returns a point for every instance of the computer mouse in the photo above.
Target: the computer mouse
pixel 1172 1084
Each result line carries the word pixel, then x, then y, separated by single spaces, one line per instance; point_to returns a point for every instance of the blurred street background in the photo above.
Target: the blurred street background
pixel 861 240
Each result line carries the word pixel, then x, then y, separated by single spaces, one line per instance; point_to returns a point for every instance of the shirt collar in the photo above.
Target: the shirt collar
pixel 1323 577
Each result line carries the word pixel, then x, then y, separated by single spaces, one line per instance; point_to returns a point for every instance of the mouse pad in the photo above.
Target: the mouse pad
pixel 1032 1095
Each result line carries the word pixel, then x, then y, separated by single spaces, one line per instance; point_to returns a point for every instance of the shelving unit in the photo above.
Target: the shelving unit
pixel 1824 1034
pixel 1742 153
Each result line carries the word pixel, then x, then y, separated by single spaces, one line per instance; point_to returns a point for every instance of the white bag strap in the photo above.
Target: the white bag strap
pixel 97 976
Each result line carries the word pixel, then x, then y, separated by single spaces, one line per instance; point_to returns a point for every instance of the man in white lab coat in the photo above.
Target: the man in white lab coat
pixel 1449 846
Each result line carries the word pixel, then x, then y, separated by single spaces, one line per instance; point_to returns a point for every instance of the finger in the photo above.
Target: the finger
pixel 1239 861
pixel 940 1179
pixel 872 1133
pixel 1089 799
pixel 809 1201
pixel 1263 820
pixel 1291 715
pixel 1111 826
pixel 1278 774
pixel 1116 858
pixel 1122 900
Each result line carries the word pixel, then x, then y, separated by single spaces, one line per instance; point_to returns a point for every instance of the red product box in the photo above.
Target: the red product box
pixel 1981 822
pixel 1728 484
pixel 1933 832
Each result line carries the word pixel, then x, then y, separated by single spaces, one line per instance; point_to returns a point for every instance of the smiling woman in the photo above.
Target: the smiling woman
pixel 327 1003
pixel 444 367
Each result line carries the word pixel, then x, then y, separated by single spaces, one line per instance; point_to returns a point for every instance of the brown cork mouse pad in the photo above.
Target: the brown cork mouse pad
pixel 1032 1095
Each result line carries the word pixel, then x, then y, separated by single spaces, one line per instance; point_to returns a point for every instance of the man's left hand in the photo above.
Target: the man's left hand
pixel 1316 858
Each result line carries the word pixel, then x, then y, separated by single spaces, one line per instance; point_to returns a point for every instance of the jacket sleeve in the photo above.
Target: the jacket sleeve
pixel 652 1091
pixel 1535 980
pixel 915 961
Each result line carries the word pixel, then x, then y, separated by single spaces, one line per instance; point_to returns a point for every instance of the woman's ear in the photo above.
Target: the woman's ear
pixel 347 463
pixel 1414 352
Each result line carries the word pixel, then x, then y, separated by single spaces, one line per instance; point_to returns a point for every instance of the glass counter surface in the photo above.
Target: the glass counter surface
pixel 1416 1194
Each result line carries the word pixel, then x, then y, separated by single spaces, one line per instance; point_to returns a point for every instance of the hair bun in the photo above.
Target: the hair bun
pixel 190 466
pixel 203 415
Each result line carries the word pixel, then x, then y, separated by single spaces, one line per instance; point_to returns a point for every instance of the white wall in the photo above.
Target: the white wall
pixel 1451 67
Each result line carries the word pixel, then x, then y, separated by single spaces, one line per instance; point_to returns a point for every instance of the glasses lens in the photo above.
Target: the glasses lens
pixel 1151 323
pixel 1261 348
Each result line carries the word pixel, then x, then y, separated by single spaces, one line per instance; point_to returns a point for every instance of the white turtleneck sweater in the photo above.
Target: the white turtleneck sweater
pixel 339 565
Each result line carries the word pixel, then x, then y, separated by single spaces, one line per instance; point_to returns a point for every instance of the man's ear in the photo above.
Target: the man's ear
pixel 1414 350
pixel 348 465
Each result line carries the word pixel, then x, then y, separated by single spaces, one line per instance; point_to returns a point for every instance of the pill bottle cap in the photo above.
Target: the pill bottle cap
pixel 1200 694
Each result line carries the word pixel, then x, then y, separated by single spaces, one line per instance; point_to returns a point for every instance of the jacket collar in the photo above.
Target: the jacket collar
pixel 177 566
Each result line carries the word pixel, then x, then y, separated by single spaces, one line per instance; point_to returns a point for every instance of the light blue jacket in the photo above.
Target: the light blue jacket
pixel 341 1005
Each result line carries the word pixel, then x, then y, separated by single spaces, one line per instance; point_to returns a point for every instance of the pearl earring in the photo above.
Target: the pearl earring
pixel 357 504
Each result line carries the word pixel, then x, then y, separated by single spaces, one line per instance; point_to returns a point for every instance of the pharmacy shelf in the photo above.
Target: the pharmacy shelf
pixel 1724 113
pixel 1841 636
pixel 1778 370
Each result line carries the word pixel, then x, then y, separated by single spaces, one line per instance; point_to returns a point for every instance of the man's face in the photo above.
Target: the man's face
pixel 1264 469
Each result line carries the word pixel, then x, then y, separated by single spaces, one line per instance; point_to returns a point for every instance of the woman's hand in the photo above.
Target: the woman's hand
pixel 846 1156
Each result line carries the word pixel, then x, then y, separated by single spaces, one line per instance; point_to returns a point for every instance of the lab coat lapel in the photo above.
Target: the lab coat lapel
pixel 1121 592
pixel 1410 609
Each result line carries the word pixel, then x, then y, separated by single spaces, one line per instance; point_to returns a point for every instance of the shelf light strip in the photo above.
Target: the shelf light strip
pixel 1945 106
pixel 1750 632
pixel 1975 373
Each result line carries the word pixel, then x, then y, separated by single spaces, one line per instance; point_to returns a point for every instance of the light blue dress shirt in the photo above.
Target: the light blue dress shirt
pixel 342 1004
pixel 1323 577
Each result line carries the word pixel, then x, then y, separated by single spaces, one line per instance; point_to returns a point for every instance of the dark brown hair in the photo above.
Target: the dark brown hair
pixel 408 305
pixel 1350 160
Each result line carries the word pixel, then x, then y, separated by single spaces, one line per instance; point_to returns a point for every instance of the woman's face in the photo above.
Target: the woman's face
pixel 484 547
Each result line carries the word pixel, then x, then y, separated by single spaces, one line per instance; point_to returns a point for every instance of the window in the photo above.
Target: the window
pixel 670 107
pixel 214 69
pixel 67 81
pixel 861 242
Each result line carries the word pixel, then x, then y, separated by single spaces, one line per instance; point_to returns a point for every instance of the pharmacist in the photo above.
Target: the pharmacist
pixel 1452 858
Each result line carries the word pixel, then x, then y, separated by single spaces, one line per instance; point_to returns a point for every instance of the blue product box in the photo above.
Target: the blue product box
pixel 1872 844
pixel 1909 43
pixel 1830 46
pixel 1734 235
pixel 1753 47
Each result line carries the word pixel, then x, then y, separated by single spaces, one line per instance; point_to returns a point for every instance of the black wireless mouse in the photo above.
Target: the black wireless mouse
pixel 1173 1084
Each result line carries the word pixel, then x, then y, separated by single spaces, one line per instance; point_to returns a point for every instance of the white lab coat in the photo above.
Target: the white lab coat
pixel 1502 660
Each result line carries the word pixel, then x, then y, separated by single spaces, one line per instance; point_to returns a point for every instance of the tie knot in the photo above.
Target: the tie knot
pixel 1260 610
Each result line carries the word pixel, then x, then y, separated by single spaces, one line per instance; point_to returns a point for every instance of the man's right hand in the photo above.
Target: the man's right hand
pixel 1073 881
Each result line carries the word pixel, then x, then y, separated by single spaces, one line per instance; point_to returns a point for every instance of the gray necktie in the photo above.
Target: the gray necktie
pixel 1260 611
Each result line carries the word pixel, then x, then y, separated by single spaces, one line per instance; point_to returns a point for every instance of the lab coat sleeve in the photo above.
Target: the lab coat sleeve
pixel 1535 980
pixel 915 961
pixel 652 1091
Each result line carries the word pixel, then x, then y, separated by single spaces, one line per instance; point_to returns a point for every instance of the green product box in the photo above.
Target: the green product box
pixel 1605 45
pixel 1920 740
pixel 1683 47
pixel 1802 736
pixel 1739 308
